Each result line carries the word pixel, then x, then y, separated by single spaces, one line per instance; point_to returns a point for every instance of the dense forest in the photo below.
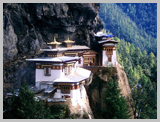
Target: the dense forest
pixel 141 70
pixel 143 14
pixel 135 23
pixel 135 26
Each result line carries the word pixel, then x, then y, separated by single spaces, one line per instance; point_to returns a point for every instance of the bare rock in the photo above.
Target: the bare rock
pixel 28 27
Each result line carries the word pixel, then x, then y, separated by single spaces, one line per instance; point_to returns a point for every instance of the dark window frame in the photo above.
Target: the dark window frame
pixel 47 71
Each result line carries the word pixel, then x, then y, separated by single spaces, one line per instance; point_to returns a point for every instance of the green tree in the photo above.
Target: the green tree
pixel 131 22
pixel 60 111
pixel 140 68
pixel 24 106
pixel 151 60
pixel 116 106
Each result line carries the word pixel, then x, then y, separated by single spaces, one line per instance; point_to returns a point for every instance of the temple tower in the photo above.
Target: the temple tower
pixel 108 53
pixel 109 56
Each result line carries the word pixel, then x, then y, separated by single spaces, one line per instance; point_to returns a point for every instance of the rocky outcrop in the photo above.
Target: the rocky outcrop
pixel 28 27
pixel 96 89
pixel 125 89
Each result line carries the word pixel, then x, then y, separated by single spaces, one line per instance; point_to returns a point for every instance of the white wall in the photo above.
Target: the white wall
pixel 40 76
pixel 74 94
pixel 83 92
pixel 114 58
pixel 104 58
pixel 57 94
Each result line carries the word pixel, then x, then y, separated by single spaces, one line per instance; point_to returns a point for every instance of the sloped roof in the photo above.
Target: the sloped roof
pixel 101 34
pixel 107 41
pixel 74 47
pixel 54 59
pixel 80 75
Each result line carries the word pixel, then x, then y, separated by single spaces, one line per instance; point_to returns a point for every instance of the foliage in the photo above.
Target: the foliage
pixel 141 69
pixel 143 14
pixel 132 22
pixel 110 103
pixel 116 106
pixel 85 116
pixel 60 111
pixel 24 106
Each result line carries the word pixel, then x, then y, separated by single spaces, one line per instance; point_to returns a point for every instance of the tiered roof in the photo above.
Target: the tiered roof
pixel 106 39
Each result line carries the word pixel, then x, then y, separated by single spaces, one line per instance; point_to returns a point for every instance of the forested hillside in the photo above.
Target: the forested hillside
pixel 135 23
pixel 135 26
pixel 143 14
pixel 141 70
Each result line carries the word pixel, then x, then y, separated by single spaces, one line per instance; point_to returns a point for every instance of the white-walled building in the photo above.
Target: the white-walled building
pixel 59 74
pixel 108 54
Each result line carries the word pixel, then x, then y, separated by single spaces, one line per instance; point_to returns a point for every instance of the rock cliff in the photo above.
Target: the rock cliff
pixel 28 27
pixel 96 89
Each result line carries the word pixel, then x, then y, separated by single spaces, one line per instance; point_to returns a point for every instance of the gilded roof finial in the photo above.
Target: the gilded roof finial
pixel 69 41
pixel 54 42
pixel 54 39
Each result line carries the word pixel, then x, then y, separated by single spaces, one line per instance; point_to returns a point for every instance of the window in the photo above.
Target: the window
pixel 109 58
pixel 65 89
pixel 68 70
pixel 47 71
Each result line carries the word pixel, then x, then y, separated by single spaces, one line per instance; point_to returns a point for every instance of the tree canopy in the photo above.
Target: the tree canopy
pixel 24 106
pixel 135 23
pixel 116 106
pixel 140 69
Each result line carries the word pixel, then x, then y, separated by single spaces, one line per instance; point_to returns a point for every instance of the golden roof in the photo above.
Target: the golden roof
pixel 69 41
pixel 54 42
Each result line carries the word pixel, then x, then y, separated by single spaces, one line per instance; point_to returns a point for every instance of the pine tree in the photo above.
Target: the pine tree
pixel 24 106
pixel 116 106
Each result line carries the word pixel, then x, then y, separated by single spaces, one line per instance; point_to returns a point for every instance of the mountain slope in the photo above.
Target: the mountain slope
pixel 120 24
pixel 143 14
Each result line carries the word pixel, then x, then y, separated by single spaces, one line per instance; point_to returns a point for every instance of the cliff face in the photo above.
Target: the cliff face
pixel 96 89
pixel 28 27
